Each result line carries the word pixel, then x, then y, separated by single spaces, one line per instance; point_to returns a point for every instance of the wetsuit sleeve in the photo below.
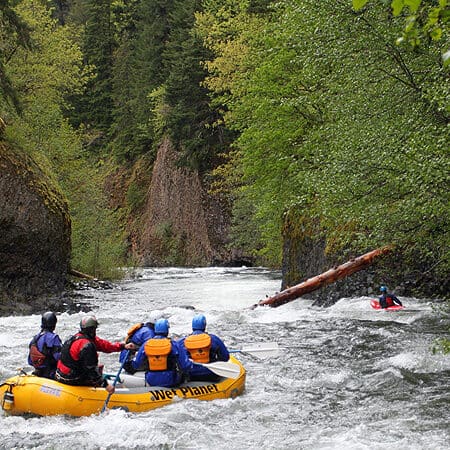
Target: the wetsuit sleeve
pixel 102 345
pixel 55 344
pixel 383 302
pixel 88 356
pixel 220 350
pixel 184 362
pixel 139 358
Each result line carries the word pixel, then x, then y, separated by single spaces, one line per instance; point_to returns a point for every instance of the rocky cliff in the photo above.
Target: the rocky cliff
pixel 181 223
pixel 34 232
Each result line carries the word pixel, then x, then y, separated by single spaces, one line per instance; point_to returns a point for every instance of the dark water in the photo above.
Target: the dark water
pixel 348 377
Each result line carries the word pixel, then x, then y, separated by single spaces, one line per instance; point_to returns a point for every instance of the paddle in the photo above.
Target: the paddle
pixel 264 350
pixel 223 368
pixel 116 380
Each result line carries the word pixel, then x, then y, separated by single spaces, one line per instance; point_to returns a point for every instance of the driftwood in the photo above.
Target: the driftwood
pixel 330 276
pixel 78 274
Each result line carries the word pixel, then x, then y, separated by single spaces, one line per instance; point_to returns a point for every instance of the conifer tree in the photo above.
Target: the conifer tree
pixel 192 122
pixel 139 70
pixel 13 33
pixel 93 108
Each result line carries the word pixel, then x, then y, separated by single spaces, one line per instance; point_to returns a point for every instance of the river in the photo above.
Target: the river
pixel 348 377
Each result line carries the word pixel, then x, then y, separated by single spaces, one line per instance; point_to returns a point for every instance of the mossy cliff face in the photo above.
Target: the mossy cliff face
pixel 34 231
pixel 305 255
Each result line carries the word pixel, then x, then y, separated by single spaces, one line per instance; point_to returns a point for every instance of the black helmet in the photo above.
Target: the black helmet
pixel 48 321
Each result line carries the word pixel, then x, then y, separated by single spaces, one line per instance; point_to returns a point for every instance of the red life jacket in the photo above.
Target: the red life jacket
pixel 199 346
pixel 69 364
pixel 37 357
pixel 389 301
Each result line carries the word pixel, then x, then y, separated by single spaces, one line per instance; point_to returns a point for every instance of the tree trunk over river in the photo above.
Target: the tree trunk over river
pixel 330 276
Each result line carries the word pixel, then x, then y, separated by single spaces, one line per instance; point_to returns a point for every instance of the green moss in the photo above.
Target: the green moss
pixel 36 179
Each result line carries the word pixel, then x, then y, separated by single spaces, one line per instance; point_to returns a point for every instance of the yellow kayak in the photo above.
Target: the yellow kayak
pixel 29 394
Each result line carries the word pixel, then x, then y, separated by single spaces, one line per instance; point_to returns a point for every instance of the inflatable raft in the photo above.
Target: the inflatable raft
pixel 29 394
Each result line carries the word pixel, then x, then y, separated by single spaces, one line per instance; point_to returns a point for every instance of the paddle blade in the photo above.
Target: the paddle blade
pixel 224 369
pixel 262 351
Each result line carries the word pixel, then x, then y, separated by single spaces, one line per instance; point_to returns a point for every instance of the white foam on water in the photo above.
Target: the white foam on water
pixel 321 392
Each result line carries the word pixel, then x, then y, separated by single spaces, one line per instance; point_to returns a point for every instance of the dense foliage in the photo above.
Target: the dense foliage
pixel 337 121
pixel 337 109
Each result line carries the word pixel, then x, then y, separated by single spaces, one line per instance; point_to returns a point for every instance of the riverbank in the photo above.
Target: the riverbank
pixel 71 300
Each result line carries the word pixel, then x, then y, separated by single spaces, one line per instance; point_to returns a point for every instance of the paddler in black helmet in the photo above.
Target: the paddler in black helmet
pixel 45 347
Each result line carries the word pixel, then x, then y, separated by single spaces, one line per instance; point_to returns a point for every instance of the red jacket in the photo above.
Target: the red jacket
pixel 79 359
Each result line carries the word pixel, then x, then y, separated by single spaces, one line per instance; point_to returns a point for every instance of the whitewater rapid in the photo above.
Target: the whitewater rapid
pixel 348 377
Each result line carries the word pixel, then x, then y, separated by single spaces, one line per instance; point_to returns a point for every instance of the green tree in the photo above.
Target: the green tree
pixel 138 71
pixel 43 76
pixel 337 121
pixel 192 122
pixel 14 33
pixel 93 108
pixel 424 20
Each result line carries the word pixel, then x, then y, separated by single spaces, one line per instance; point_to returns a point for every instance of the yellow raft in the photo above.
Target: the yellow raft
pixel 29 394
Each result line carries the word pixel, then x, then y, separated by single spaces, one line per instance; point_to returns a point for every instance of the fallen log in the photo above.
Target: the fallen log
pixel 79 274
pixel 325 278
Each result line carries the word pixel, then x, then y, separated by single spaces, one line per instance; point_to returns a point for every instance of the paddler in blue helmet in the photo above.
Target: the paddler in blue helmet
pixel 166 362
pixel 203 348
pixel 386 299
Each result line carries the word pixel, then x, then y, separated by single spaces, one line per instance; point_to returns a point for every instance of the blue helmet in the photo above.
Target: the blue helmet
pixel 199 322
pixel 383 289
pixel 162 327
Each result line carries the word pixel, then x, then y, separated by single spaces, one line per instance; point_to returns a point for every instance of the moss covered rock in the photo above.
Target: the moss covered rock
pixel 34 231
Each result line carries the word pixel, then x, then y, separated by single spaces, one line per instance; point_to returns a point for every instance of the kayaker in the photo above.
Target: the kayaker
pixel 386 299
pixel 45 347
pixel 203 348
pixel 139 334
pixel 78 365
pixel 166 361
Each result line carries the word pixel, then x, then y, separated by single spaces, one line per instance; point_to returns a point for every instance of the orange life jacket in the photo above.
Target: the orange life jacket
pixel 157 351
pixel 132 330
pixel 198 346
